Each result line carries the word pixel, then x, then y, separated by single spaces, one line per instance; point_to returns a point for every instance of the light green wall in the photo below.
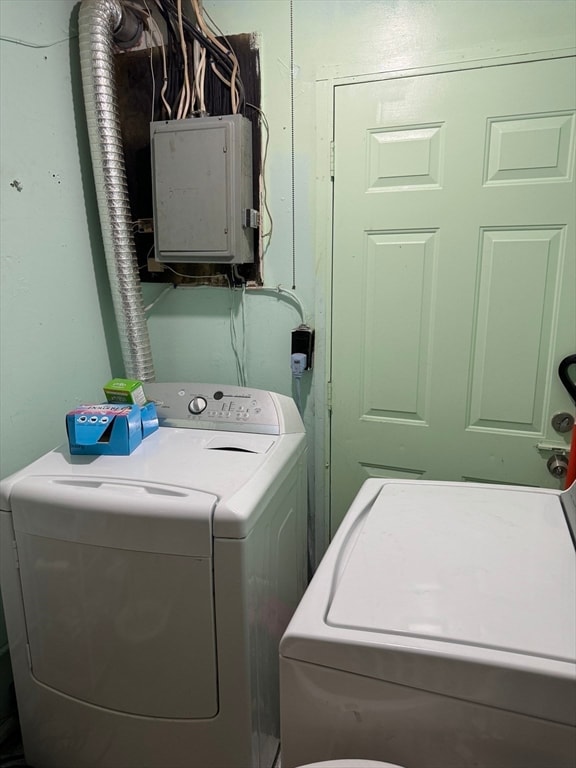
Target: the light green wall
pixel 332 38
pixel 54 291
pixel 55 348
pixel 189 328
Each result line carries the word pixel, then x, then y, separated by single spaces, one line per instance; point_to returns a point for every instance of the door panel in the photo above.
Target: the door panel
pixel 504 396
pixel 397 305
pixel 453 275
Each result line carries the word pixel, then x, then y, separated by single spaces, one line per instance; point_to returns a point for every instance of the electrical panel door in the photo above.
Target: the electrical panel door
pixel 202 190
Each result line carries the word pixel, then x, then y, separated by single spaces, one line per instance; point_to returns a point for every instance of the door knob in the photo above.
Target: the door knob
pixel 557 465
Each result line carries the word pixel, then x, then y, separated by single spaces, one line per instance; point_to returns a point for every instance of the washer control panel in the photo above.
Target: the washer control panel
pixel 213 406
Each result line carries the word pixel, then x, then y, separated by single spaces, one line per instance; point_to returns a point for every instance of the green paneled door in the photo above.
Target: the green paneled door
pixel 454 281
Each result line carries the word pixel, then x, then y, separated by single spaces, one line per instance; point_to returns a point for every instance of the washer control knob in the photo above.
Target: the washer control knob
pixel 197 405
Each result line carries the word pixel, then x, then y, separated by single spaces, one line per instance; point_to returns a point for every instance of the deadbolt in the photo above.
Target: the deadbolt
pixel 557 465
pixel 562 422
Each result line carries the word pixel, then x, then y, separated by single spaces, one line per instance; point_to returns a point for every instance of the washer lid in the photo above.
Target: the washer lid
pixel 489 568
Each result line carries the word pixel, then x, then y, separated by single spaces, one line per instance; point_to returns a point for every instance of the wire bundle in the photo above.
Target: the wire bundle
pixel 192 52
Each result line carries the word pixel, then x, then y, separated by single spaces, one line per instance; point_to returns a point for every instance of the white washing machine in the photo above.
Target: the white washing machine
pixel 438 632
pixel 145 595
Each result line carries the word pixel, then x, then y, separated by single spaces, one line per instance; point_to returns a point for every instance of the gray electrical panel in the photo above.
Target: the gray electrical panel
pixel 202 190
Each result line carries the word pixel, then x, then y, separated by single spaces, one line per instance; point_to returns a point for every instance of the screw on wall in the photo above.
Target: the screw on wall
pixel 17 185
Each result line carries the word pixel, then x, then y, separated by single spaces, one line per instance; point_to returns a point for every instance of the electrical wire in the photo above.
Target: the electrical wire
pixel 145 265
pixel 202 78
pixel 199 11
pixel 228 52
pixel 167 106
pixel 240 356
pixel 153 110
pixel 196 93
pixel 224 59
pixel 157 299
pixel 175 62
pixel 197 277
pixel 243 307
pixel 240 352
pixel 298 394
pixel 216 29
pixel 162 46
pixel 153 27
pixel 280 292
pixel 219 75
pixel 233 91
pixel 234 339
pixel 195 65
pixel 28 44
pixel 264 121
pixel 185 93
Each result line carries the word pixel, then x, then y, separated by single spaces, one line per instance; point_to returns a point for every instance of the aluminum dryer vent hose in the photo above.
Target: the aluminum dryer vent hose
pixel 101 22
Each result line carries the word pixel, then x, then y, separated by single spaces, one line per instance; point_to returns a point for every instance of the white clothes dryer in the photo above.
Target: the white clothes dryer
pixel 145 595
pixel 438 632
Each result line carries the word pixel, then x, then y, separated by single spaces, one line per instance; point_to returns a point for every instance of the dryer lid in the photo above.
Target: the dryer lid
pixel 489 568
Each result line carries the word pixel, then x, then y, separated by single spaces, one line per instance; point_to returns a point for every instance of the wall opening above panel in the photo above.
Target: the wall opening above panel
pixel 136 91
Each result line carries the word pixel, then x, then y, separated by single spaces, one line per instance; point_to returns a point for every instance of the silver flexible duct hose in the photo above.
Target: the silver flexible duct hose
pixel 98 22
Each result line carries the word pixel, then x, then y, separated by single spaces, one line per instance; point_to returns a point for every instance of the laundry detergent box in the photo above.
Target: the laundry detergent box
pixel 149 417
pixel 125 391
pixel 109 429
